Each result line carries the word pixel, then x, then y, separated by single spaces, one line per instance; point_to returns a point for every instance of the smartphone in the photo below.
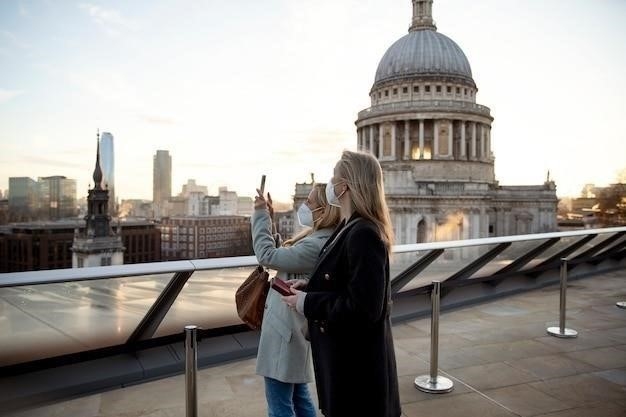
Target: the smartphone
pixel 262 187
pixel 281 286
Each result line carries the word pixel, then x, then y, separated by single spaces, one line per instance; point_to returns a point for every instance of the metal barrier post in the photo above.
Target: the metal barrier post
pixel 433 383
pixel 191 359
pixel 561 331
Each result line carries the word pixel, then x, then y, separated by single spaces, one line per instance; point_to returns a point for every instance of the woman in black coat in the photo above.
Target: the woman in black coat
pixel 347 299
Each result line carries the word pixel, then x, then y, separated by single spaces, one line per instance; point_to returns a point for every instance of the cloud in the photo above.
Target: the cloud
pixel 6 95
pixel 111 21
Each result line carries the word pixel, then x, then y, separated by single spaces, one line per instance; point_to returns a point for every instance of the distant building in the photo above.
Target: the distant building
pixel 161 182
pixel 205 237
pixel 192 187
pixel 245 206
pixel 135 208
pixel 48 245
pixel 57 198
pixel 23 199
pixel 107 162
pixel 434 141
pixel 98 245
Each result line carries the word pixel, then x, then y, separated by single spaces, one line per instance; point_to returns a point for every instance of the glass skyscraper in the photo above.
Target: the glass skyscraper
pixel 107 164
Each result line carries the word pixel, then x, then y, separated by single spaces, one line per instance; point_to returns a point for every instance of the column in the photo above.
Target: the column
pixel 407 141
pixel 393 141
pixel 421 138
pixel 463 139
pixel 380 141
pixel 450 126
pixel 435 140
pixel 473 155
pixel 371 147
pixel 489 143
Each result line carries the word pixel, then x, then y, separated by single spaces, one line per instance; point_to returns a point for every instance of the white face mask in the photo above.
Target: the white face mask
pixel 332 198
pixel 305 215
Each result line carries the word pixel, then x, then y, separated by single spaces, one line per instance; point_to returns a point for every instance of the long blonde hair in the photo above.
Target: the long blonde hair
pixel 330 215
pixel 364 176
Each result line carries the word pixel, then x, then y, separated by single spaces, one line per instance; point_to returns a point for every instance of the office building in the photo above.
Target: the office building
pixel 23 200
pixel 107 163
pixel 161 182
pixel 56 198
pixel 205 237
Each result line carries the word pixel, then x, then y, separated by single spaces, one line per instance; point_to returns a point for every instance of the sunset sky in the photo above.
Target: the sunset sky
pixel 239 88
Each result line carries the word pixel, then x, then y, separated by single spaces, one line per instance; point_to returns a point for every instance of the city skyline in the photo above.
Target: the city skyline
pixel 237 90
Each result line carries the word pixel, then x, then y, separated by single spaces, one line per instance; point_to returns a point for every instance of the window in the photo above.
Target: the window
pixel 458 90
pixel 448 89
pixel 405 90
pixel 416 88
pixel 438 89
pixel 379 94
pixel 386 93
pixel 465 91
pixel 395 91
pixel 427 89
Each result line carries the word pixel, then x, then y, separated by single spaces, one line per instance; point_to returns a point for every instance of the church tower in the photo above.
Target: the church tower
pixel 98 245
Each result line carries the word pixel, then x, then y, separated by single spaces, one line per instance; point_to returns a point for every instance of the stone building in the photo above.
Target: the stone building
pixel 433 141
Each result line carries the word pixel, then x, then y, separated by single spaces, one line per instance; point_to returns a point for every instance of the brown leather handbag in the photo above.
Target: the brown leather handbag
pixel 250 297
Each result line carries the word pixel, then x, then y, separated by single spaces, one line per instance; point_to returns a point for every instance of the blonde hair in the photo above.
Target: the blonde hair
pixel 330 216
pixel 364 176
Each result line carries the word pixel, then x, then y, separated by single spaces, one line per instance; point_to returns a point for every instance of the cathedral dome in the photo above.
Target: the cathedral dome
pixel 423 53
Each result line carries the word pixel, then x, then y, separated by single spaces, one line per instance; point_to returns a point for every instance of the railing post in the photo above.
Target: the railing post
pixel 191 359
pixel 433 383
pixel 562 331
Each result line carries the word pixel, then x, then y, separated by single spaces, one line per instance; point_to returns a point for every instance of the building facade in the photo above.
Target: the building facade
pixel 57 198
pixel 161 182
pixel 48 245
pixel 23 199
pixel 433 141
pixel 205 237
pixel 107 162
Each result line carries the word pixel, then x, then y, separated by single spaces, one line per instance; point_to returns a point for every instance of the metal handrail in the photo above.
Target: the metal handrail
pixel 14 279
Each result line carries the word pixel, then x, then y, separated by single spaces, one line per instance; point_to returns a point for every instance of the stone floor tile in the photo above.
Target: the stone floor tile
pixel 551 366
pixel 524 400
pixel 581 389
pixel 603 358
pixel 470 404
pixel 499 374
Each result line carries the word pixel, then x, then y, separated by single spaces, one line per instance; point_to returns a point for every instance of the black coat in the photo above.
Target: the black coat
pixel 347 307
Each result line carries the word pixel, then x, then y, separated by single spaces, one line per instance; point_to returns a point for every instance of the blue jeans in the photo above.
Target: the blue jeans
pixel 288 400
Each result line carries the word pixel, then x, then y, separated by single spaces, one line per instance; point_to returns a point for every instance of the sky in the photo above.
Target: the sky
pixel 234 89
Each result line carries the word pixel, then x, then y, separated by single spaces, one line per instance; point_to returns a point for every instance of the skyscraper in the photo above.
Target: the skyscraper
pixel 107 162
pixel 161 182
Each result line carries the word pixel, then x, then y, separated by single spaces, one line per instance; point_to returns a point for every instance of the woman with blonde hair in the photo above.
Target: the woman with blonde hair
pixel 347 300
pixel 284 355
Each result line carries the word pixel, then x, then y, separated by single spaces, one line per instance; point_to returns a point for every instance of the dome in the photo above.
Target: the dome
pixel 423 52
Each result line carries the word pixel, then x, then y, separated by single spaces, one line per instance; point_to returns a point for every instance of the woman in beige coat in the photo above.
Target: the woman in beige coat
pixel 284 355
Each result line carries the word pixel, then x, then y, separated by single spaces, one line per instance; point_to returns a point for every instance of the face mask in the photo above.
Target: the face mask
pixel 332 198
pixel 305 215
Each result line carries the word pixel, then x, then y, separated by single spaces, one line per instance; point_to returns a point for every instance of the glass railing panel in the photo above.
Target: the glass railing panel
pixel 591 244
pixel 207 300
pixel 47 320
pixel 509 255
pixel 451 261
